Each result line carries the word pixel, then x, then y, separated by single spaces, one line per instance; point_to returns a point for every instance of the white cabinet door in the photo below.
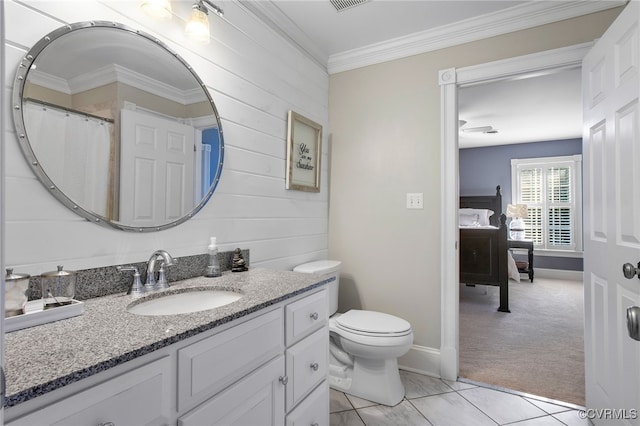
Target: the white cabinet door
pixel 256 400
pixel 611 97
pixel 135 398
pixel 210 365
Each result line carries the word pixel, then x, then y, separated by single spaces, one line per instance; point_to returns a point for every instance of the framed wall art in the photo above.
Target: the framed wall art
pixel 304 150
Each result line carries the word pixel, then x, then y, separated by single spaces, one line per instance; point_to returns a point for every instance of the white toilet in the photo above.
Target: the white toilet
pixel 364 346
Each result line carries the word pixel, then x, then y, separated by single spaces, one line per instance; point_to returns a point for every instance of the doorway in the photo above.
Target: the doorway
pixel 538 348
pixel 450 81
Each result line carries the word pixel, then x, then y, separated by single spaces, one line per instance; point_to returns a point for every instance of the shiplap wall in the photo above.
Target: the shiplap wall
pixel 254 77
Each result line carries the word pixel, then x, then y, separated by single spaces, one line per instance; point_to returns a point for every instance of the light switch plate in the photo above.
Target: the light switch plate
pixel 415 200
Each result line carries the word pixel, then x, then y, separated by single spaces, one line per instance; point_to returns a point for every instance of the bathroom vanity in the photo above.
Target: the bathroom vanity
pixel 260 360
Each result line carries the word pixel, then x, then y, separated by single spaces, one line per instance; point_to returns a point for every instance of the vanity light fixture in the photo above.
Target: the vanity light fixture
pixel 197 27
pixel 157 8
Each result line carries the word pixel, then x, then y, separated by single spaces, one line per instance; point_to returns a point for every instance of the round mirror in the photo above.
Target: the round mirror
pixel 117 126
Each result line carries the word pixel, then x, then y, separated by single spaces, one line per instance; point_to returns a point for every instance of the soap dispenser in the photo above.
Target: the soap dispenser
pixel 213 269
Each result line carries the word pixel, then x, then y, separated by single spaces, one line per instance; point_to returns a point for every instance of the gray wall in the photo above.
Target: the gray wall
pixel 481 169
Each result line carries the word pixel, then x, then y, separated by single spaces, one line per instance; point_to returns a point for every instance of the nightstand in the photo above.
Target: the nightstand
pixel 526 245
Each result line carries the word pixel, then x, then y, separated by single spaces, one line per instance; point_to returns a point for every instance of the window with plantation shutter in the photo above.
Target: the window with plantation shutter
pixel 551 188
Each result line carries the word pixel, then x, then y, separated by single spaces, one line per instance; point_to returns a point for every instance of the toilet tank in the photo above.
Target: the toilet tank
pixel 326 268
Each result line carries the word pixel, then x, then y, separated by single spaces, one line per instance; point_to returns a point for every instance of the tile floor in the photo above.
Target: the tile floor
pixel 430 401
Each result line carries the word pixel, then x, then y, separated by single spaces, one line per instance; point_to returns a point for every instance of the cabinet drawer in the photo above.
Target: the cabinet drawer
pixel 314 410
pixel 137 397
pixel 212 364
pixel 306 315
pixel 307 364
pixel 257 399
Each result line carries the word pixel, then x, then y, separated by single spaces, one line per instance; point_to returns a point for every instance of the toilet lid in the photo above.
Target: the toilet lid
pixel 371 322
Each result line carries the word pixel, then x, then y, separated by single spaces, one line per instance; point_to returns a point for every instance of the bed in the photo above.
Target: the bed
pixel 483 244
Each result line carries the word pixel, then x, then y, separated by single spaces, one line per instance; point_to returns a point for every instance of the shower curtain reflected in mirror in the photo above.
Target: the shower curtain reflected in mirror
pixel 81 166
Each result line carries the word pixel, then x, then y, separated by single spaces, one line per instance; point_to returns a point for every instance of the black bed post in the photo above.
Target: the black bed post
pixel 503 272
pixel 503 256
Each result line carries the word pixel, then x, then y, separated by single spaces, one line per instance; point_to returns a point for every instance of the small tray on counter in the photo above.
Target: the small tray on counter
pixel 36 315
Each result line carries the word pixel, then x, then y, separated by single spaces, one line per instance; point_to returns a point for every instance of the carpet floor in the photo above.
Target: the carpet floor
pixel 536 349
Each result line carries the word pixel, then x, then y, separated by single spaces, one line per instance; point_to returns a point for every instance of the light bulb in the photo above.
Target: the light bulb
pixel 197 27
pixel 157 8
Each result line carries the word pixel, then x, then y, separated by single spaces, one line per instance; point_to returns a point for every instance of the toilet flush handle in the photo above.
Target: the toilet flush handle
pixel 314 316
pixel 315 366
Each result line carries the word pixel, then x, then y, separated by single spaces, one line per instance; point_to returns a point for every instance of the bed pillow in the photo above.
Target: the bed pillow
pixel 483 215
pixel 469 219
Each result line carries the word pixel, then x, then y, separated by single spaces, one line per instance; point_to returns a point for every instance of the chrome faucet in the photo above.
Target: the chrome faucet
pixel 167 260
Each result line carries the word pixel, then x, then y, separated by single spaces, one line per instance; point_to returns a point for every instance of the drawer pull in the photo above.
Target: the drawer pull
pixel 314 366
pixel 314 316
pixel 107 424
pixel 314 424
pixel 283 379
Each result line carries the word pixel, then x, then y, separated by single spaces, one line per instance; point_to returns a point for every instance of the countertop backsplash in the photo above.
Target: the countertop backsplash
pixel 98 282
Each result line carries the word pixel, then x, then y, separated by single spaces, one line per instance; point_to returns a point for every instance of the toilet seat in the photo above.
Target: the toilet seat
pixel 372 324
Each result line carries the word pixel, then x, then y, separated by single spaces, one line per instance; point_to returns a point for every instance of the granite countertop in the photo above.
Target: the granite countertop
pixel 44 358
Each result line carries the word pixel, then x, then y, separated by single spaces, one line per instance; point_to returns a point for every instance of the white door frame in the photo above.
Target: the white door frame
pixel 450 80
pixel 3 135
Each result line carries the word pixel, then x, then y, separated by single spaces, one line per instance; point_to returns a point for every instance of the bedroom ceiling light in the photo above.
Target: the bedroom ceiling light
pixel 517 212
pixel 157 8
pixel 197 27
pixel 482 129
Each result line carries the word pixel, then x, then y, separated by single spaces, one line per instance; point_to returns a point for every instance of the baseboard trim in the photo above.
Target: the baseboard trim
pixel 559 274
pixel 421 359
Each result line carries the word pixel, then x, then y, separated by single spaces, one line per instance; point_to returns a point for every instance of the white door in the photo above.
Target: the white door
pixel 156 169
pixel 2 204
pixel 611 90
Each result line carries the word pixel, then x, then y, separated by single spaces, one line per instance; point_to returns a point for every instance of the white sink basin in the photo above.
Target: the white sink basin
pixel 185 302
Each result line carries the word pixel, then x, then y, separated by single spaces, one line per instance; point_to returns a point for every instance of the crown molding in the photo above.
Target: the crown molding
pixel 269 13
pixel 49 81
pixel 515 18
pixel 117 74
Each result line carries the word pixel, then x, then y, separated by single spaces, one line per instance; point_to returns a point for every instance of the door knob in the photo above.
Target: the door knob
pixel 633 322
pixel 630 271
